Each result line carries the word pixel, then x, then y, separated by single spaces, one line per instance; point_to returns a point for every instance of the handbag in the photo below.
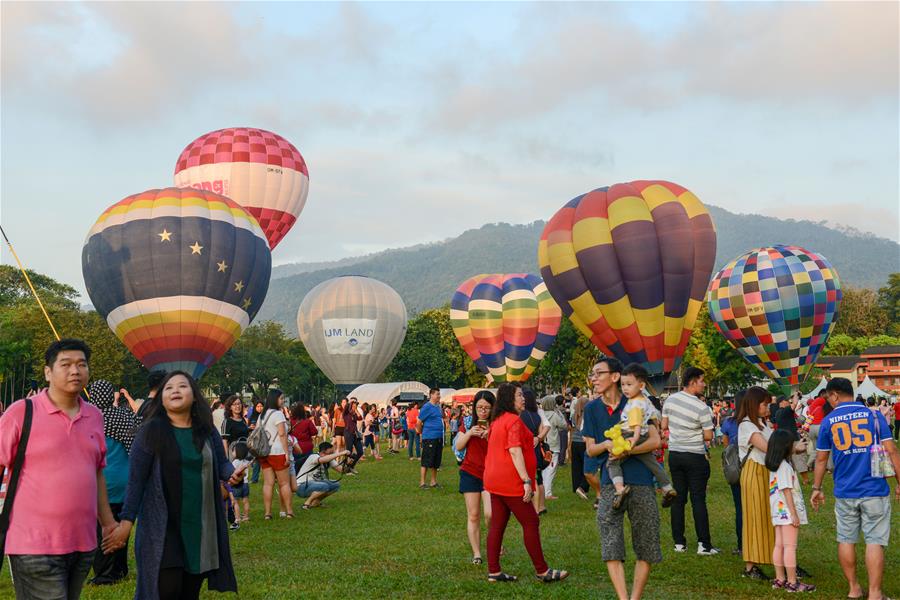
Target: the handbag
pixel 879 460
pixel 732 464
pixel 258 441
pixel 11 479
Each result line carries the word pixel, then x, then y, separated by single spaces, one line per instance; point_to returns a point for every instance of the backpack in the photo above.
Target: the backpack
pixel 732 465
pixel 258 442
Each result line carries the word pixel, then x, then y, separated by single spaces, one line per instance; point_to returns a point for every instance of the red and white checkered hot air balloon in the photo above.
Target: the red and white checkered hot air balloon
pixel 258 169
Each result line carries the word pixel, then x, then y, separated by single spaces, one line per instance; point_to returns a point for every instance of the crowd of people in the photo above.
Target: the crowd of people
pixel 181 467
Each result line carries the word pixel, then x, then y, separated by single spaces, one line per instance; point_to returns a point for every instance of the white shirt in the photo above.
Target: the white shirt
pixel 272 418
pixel 312 469
pixel 688 418
pixel 746 429
pixel 218 416
pixel 781 482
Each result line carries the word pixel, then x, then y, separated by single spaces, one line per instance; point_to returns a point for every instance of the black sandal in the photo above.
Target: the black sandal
pixel 502 577
pixel 553 575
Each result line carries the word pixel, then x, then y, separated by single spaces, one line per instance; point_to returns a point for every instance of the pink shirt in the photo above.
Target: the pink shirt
pixel 55 509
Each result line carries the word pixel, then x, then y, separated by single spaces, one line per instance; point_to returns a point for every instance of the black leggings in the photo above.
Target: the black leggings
pixel 177 584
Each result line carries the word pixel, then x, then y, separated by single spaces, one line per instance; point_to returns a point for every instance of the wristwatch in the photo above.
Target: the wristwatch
pixel 817 489
pixel 527 482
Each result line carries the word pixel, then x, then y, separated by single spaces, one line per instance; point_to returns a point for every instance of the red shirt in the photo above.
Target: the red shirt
pixel 412 414
pixel 476 451
pixel 815 411
pixel 305 432
pixel 897 410
pixel 500 475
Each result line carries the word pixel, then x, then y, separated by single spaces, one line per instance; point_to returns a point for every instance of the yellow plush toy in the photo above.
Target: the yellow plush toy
pixel 620 444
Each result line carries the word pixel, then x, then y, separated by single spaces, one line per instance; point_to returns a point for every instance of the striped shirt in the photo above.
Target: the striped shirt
pixel 688 417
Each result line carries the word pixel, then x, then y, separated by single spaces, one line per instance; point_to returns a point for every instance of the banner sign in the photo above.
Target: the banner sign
pixel 349 336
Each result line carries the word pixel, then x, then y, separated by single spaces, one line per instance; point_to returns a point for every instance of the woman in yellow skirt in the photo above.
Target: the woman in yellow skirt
pixel 753 436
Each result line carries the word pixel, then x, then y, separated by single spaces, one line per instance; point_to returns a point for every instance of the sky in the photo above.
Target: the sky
pixel 419 121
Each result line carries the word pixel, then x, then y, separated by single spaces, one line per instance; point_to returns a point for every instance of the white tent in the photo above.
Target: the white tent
pixel 447 395
pixel 818 389
pixel 867 389
pixel 381 394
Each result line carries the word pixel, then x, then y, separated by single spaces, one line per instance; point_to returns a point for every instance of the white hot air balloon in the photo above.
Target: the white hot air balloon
pixel 352 327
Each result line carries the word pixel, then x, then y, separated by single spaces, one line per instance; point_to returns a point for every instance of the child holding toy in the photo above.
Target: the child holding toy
pixel 637 418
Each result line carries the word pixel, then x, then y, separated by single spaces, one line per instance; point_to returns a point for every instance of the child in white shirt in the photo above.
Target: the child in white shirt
pixel 787 509
pixel 240 460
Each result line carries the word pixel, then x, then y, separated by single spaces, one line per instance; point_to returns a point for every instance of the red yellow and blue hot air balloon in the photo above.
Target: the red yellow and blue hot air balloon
pixel 777 306
pixel 178 274
pixel 629 265
pixel 505 323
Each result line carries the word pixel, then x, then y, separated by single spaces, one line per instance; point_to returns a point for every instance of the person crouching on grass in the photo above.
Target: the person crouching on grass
pixel 312 479
pixel 509 471
pixel 471 472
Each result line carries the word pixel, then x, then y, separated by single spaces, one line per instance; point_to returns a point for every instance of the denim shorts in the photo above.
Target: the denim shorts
pixel 241 491
pixel 305 490
pixel 870 516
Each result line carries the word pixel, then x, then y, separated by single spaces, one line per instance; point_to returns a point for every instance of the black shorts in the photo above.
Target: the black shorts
pixel 369 442
pixel 431 453
pixel 339 431
pixel 468 483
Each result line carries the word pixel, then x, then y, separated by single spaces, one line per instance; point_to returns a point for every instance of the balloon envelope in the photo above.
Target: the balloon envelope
pixel 629 265
pixel 505 323
pixel 777 306
pixel 352 328
pixel 258 169
pixel 177 274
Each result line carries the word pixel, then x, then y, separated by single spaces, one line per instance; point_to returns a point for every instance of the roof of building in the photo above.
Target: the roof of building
pixel 840 363
pixel 880 350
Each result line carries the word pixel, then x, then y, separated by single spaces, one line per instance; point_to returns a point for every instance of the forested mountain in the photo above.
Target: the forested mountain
pixel 427 275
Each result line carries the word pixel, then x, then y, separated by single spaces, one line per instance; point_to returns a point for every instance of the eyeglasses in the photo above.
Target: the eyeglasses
pixel 599 372
pixel 482 408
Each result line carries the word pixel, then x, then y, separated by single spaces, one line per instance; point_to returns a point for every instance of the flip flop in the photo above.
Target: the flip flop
pixel 502 577
pixel 553 575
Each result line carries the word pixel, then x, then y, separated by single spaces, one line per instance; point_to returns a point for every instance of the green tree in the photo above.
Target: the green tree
pixel 889 301
pixel 14 290
pixel 567 363
pixel 431 354
pixel 860 314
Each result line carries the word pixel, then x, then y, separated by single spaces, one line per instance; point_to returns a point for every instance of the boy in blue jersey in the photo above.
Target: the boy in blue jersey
pixel 862 502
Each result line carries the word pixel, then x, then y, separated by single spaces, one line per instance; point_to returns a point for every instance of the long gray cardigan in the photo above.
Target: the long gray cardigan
pixel 145 499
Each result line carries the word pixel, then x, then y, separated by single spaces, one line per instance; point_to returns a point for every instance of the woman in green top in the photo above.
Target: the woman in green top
pixel 177 461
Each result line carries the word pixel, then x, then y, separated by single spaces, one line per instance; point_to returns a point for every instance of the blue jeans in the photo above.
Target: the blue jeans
pixel 414 437
pixel 738 514
pixel 254 472
pixel 305 490
pixel 50 576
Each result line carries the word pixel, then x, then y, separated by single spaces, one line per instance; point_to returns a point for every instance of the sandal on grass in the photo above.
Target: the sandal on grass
pixel 476 560
pixel 268 517
pixel 553 575
pixel 502 577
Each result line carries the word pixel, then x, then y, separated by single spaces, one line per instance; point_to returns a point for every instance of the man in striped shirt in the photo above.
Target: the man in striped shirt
pixel 689 422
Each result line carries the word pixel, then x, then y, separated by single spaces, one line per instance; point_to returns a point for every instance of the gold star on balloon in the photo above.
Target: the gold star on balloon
pixel 246 303
pixel 196 248
pixel 165 235
pixel 239 286
pixel 222 266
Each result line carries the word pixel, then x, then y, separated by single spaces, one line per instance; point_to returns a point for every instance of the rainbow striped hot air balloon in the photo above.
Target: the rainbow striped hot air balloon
pixel 505 323
pixel 177 274
pixel 258 169
pixel 629 265
pixel 777 306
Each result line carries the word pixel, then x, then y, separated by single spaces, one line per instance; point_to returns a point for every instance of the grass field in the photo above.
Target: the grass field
pixel 382 537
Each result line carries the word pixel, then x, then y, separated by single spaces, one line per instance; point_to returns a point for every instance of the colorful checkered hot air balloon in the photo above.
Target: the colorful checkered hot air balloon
pixel 258 169
pixel 178 274
pixel 777 306
pixel 629 265
pixel 505 323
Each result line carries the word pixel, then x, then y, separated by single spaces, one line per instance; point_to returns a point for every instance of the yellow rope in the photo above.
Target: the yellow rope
pixel 28 280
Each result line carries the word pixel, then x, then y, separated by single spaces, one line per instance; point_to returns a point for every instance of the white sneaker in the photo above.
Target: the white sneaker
pixel 706 551
pixel 680 548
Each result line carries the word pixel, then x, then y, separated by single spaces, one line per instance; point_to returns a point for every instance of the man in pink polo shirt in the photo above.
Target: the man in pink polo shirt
pixel 52 531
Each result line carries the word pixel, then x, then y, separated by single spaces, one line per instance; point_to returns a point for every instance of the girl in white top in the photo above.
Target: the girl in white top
pixel 276 466
pixel 788 512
